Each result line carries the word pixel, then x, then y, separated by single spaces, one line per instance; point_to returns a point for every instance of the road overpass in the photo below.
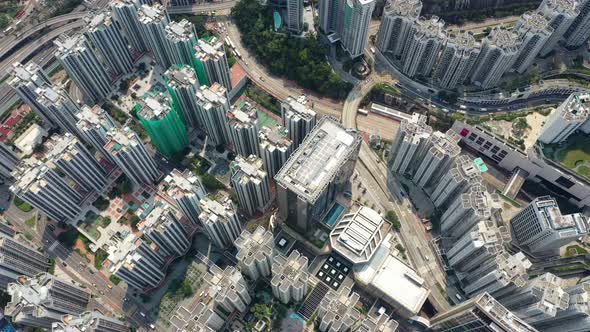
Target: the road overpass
pixel 11 41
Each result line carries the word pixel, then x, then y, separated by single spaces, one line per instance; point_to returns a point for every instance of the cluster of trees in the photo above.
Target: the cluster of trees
pixel 392 218
pixel 302 60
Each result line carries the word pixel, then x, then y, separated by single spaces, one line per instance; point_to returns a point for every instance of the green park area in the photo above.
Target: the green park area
pixel 574 154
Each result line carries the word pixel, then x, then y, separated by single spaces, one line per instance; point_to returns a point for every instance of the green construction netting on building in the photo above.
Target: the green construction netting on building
pixel 168 134
pixel 200 67
pixel 176 104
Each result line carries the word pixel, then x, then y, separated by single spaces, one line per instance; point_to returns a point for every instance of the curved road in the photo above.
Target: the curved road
pixel 278 87
pixel 379 185
pixel 23 53
pixel 9 42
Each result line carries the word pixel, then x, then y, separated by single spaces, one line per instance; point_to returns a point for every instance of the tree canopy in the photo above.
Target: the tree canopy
pixel 302 60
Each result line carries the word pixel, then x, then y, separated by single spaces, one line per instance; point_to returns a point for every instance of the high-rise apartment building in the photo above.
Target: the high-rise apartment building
pixel 46 190
pixel 25 80
pixel 409 144
pixel 397 21
pixel 482 313
pixel 308 183
pixel 211 63
pixel 255 252
pixel 579 30
pixel 139 264
pixel 89 321
pixel 243 129
pixel 125 15
pixel 182 38
pixel 131 155
pixel 153 20
pixel 539 301
pixel 163 123
pixel 561 14
pixel 505 274
pixel 228 288
pixel 456 180
pixel 466 210
pixel 498 53
pixel 347 21
pixel 93 125
pixel 200 317
pixel 275 148
pixel 576 317
pixel 163 227
pixel 83 67
pixel 355 27
pixel 8 161
pixel 299 119
pixel 41 300
pixel 535 30
pixel 337 310
pixel 425 40
pixel 18 258
pixel 62 109
pixel 541 229
pixel 220 221
pixel 477 247
pixel 213 105
pixel 182 84
pixel 186 191
pixel 251 184
pixel 72 158
pixel 382 323
pixel 566 119
pixel 106 37
pixel 289 277
pixel 442 151
pixel 457 60
pixel 295 16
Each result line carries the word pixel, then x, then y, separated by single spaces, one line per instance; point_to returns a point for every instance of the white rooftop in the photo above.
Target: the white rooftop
pixel 357 235
pixel 318 159
pixel 393 278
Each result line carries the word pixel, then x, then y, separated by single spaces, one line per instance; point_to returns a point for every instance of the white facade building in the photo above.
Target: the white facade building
pixel 131 155
pixel 220 221
pixel 251 184
pixel 541 229
pixel 275 148
pixel 255 252
pixel 498 53
pixel 566 119
pixel 397 21
pixel 83 67
pixel 299 119
pixel 106 37
pixel 289 277
pixel 409 144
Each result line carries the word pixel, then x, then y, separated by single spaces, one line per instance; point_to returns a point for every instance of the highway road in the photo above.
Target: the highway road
pixel 9 42
pixel 23 53
pixel 204 7
pixel 376 178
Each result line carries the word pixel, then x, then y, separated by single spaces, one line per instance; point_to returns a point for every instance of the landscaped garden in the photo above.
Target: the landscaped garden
pixel 574 154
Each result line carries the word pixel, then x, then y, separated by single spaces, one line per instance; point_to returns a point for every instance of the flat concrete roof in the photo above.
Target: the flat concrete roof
pixel 394 279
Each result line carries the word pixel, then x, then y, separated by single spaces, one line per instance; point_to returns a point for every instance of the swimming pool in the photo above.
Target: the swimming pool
pixel 333 215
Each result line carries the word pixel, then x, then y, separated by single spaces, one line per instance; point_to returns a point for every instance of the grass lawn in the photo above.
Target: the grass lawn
pixel 575 155
pixel 22 205
pixel 31 222
pixel 574 250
